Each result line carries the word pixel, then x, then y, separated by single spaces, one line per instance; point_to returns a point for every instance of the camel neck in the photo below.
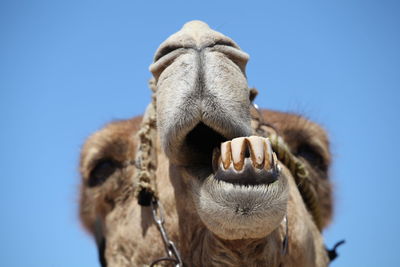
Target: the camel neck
pixel 206 249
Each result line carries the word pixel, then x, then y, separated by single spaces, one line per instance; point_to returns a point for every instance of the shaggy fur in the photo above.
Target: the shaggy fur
pixel 203 100
pixel 132 237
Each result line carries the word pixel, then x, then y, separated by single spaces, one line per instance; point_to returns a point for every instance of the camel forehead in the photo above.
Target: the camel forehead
pixel 196 34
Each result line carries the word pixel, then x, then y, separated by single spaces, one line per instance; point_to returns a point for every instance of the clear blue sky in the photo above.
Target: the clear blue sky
pixel 68 67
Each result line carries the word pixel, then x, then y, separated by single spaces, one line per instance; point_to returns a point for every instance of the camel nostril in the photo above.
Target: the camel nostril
pixel 224 43
pixel 166 50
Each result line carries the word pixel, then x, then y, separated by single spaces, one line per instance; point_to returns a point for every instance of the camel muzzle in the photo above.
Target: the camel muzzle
pixel 201 86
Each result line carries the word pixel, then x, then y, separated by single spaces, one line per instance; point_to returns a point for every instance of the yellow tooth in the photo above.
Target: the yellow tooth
pixel 238 146
pixel 226 154
pixel 268 154
pixel 256 150
pixel 275 161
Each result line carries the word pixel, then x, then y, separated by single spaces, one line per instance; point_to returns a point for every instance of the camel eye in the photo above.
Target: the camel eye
pixel 312 155
pixel 101 172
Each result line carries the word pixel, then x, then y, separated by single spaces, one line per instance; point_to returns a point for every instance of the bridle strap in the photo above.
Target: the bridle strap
pixel 146 156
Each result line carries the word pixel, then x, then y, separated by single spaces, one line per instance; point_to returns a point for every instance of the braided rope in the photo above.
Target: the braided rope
pixel 146 159
pixel 307 187
pixel 302 177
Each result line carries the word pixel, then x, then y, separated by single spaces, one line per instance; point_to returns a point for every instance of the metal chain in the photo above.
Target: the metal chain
pixel 173 254
pixel 285 243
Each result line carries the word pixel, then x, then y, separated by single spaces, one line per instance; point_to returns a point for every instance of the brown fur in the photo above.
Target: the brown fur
pixel 299 133
pixel 132 238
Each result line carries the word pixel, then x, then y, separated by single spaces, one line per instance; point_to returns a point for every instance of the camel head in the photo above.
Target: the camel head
pixel 225 192
pixel 204 123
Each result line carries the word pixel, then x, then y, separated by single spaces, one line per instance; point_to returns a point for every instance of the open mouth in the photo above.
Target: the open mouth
pixel 201 141
pixel 242 160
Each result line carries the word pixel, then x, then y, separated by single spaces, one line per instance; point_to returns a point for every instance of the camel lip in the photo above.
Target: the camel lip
pixel 248 176
pixel 191 140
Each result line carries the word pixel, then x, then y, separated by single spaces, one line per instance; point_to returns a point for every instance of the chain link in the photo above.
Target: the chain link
pixel 173 254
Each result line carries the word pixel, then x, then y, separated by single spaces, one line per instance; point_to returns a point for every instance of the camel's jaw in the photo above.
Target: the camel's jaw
pixel 238 187
pixel 245 195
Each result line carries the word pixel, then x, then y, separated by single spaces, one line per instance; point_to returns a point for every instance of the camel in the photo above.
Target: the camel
pixel 226 173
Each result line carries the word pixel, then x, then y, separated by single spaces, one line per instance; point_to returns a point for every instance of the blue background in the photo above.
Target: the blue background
pixel 68 67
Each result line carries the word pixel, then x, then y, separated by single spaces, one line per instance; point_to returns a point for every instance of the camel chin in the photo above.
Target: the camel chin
pixel 245 196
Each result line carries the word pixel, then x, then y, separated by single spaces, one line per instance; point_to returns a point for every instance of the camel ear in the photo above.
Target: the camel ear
pixel 332 254
pixel 253 94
